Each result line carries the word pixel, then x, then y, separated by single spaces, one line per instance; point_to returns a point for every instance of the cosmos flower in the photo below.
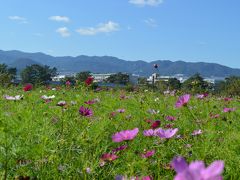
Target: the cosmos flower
pixel 197 132
pixel 121 110
pixel 229 109
pixel 27 87
pixel 85 111
pixel 166 134
pixel 148 154
pixel 89 102
pixel 196 170
pixel 170 118
pixel 125 135
pixel 108 157
pixel 13 98
pixel 182 100
pixel 89 81
pixel 68 83
pixel 155 124
pixel 149 132
pixel 202 96
pixel 120 148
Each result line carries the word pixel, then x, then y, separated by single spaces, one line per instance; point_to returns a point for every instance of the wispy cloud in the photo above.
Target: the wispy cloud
pixel 146 2
pixel 108 27
pixel 63 31
pixel 151 22
pixel 19 19
pixel 59 18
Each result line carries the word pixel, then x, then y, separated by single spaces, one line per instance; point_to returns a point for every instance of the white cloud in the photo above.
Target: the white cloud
pixel 59 18
pixel 146 2
pixel 63 31
pixel 151 22
pixel 101 28
pixel 20 19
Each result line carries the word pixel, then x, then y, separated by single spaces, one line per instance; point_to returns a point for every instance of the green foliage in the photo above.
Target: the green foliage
pixel 174 84
pixel 195 84
pixel 231 86
pixel 37 74
pixel 119 78
pixel 44 141
pixel 7 74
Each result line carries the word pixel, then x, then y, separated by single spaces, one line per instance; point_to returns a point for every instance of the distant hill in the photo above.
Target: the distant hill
pixel 108 64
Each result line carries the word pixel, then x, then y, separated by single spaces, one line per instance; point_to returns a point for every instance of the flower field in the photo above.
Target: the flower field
pixel 78 133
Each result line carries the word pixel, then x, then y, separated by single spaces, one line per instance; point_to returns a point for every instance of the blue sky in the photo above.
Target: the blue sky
pixel 189 30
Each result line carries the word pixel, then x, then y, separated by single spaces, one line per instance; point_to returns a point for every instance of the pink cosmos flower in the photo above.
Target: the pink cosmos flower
pixel 85 111
pixel 227 99
pixel 125 135
pixel 229 109
pixel 149 132
pixel 170 118
pixel 197 132
pixel 120 148
pixel 89 102
pixel 166 134
pixel 121 110
pixel 148 154
pixel 28 87
pixel 68 83
pixel 202 96
pixel 108 157
pixel 182 100
pixel 196 170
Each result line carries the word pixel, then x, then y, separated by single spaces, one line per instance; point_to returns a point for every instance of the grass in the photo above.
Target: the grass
pixel 44 141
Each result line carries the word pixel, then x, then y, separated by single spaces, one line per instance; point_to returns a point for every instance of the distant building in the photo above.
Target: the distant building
pixel 58 77
pixel 101 77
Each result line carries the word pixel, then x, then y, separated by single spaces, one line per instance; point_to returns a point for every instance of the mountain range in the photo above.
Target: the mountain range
pixel 108 64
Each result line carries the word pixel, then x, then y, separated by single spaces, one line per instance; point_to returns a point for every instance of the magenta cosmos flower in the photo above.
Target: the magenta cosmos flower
pixel 182 100
pixel 170 118
pixel 229 109
pixel 148 154
pixel 166 134
pixel 125 135
pixel 197 170
pixel 85 111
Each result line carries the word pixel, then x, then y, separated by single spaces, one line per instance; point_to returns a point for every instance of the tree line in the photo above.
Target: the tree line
pixel 42 75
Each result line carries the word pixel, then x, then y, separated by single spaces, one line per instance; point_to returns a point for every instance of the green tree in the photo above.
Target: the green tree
pixel 118 78
pixel 82 76
pixel 195 84
pixel 7 74
pixel 37 74
pixel 174 84
pixel 229 87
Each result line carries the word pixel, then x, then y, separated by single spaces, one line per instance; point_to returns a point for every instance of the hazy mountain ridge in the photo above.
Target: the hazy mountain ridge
pixel 108 64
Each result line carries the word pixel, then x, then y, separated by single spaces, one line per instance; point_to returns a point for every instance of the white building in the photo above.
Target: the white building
pixel 101 77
